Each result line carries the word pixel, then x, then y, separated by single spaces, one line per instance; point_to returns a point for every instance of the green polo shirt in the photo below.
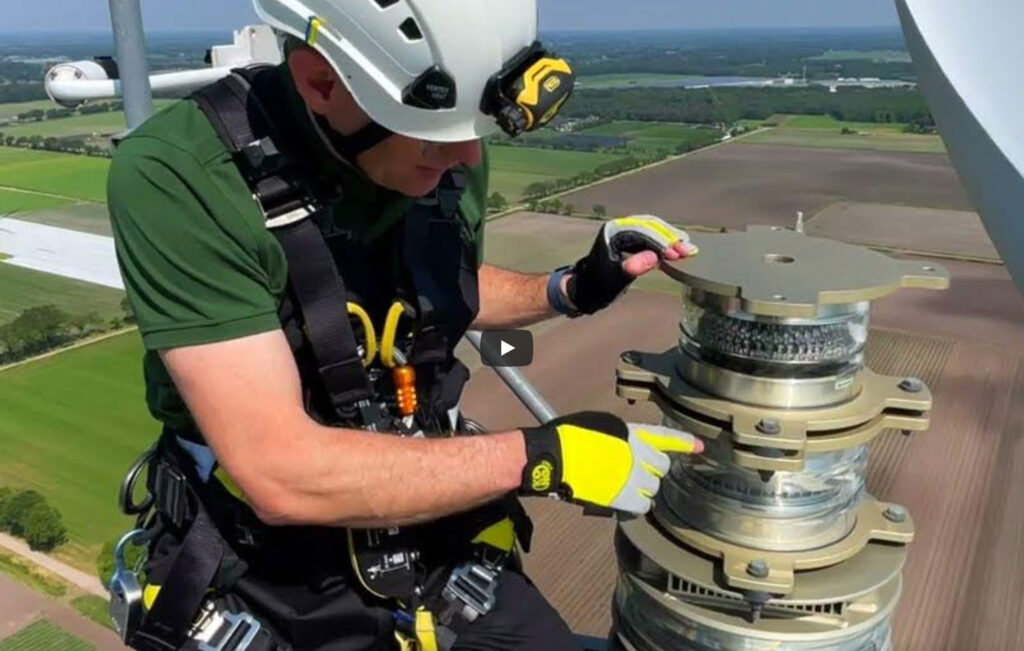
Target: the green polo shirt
pixel 199 266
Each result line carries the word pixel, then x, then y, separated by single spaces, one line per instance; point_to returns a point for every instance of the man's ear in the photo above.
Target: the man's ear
pixel 314 78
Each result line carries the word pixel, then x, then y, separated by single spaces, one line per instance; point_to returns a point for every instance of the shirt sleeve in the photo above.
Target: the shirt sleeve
pixel 191 260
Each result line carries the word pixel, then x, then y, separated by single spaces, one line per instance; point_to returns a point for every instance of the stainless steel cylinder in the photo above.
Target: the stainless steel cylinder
pixel 775 362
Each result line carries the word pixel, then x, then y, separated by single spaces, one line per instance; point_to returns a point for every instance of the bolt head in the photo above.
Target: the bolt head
pixel 770 427
pixel 912 385
pixel 758 568
pixel 895 513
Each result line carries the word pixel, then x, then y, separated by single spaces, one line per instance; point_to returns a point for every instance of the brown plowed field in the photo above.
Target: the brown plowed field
pixel 736 185
pixel 963 480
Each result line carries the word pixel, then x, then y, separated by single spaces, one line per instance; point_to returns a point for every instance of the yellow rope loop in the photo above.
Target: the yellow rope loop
pixel 371 337
pixel 387 340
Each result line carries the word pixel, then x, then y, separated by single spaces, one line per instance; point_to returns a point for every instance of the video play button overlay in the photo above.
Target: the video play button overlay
pixel 504 348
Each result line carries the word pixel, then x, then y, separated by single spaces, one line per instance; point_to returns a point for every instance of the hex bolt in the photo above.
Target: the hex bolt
pixel 895 513
pixel 912 385
pixel 758 568
pixel 770 427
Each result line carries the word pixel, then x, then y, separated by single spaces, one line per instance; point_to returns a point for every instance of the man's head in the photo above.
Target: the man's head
pixel 439 74
pixel 407 165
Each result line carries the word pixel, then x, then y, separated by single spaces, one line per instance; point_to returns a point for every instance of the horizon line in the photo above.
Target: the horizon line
pixel 596 30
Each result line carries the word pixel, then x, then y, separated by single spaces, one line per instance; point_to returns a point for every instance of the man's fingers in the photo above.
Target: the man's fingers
pixel 641 263
pixel 668 440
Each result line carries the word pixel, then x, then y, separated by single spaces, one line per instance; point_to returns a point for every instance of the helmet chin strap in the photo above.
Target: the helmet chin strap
pixel 351 146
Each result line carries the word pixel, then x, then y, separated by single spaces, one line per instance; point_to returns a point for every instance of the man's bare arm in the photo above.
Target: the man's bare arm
pixel 509 299
pixel 246 398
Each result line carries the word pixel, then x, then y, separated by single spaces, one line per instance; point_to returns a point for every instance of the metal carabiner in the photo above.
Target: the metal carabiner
pixel 125 494
pixel 126 601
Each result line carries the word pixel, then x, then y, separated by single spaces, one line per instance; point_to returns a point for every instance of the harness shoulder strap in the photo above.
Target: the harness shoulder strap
pixel 243 123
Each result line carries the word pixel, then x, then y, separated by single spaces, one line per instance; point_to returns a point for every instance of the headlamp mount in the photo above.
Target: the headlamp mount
pixel 529 91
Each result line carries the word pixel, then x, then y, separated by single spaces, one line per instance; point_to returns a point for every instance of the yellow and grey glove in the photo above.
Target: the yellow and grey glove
pixel 596 459
pixel 598 279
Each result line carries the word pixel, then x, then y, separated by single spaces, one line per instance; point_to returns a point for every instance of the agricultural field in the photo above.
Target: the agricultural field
pixel 85 217
pixel 650 137
pixel 514 168
pixel 72 425
pixel 824 131
pixel 15 202
pixel 737 184
pixel 626 80
pixel 877 56
pixel 78 125
pixel 66 175
pixel 82 217
pixel 101 124
pixel 43 636
pixel 10 109
pixel 22 288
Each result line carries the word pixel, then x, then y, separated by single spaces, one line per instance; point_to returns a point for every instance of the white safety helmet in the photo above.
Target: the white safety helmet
pixel 438 70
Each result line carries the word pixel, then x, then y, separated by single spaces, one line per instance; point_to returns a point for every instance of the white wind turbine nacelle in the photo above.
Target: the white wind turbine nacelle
pixel 970 60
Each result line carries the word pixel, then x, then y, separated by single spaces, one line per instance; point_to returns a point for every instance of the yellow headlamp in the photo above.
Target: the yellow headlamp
pixel 529 91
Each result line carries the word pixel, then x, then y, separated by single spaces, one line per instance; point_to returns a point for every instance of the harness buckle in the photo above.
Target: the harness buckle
pixel 473 590
pixel 171 494
pixel 224 630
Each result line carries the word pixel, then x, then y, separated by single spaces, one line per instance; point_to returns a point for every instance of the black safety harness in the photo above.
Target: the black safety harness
pixel 438 282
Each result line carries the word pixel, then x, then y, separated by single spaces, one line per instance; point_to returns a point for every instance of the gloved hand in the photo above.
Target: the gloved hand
pixel 596 459
pixel 606 272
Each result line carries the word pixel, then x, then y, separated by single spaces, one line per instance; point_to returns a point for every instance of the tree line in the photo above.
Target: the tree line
pixel 27 515
pixel 90 108
pixel 40 329
pixel 727 105
pixel 63 144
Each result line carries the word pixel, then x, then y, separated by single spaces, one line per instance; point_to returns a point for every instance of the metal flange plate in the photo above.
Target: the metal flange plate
pixel 881 404
pixel 780 567
pixel 774 271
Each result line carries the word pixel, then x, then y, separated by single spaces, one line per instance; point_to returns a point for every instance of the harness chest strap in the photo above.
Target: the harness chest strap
pixel 288 205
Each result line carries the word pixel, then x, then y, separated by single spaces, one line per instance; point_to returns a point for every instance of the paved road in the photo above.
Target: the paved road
pixel 74 576
pixel 20 606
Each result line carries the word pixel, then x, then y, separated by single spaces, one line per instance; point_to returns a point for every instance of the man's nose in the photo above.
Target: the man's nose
pixel 468 152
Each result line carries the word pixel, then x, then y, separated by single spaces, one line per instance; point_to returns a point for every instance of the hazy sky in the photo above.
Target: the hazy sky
pixel 92 15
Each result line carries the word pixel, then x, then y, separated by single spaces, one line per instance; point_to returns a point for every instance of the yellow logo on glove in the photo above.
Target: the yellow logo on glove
pixel 540 477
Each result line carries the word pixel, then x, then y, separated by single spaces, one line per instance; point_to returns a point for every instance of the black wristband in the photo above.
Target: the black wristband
pixel 598 279
pixel 542 474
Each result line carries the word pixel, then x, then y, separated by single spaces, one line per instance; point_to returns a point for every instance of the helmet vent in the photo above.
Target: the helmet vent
pixel 384 4
pixel 411 30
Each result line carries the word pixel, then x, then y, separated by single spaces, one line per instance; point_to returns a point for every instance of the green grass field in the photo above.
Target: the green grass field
pixel 824 131
pixel 71 426
pixel 12 201
pixel 105 124
pixel 628 79
pixel 95 608
pixel 878 56
pixel 23 288
pixel 81 177
pixel 44 636
pixel 829 122
pixel 10 109
pixel 82 217
pixel 514 168
pixel 31 575
pixel 78 125
pixel 876 141
pixel 649 137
